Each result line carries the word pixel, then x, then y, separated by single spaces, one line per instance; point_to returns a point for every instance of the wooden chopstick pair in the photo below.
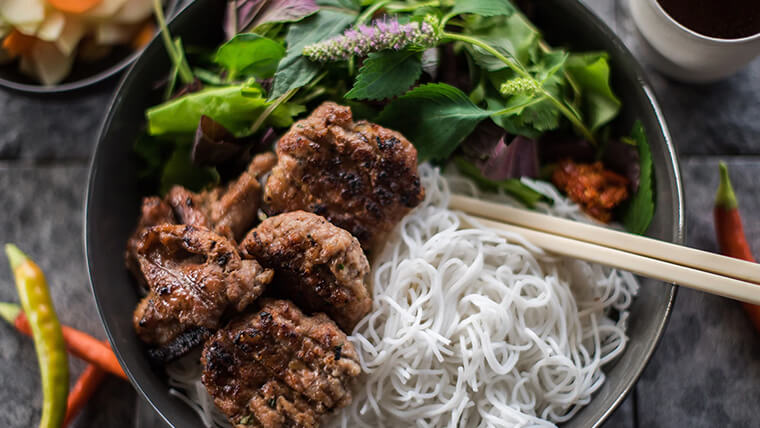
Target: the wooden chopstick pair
pixel 701 270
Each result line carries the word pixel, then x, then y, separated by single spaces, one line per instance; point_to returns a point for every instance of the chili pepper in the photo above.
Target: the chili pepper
pixel 78 343
pixel 46 331
pixel 730 231
pixel 86 385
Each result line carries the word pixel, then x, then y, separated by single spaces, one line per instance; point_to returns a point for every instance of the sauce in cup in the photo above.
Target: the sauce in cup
pixel 722 19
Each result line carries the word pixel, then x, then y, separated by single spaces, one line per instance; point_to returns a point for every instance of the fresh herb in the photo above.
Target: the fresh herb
pixel 591 71
pixel 295 71
pixel 250 54
pixel 386 74
pixel 482 59
pixel 180 66
pixel 436 117
pixel 381 35
pixel 640 209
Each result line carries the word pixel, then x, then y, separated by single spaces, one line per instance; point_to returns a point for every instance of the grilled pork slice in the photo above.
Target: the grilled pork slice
pixel 360 176
pixel 194 277
pixel 318 265
pixel 153 212
pixel 277 367
pixel 230 211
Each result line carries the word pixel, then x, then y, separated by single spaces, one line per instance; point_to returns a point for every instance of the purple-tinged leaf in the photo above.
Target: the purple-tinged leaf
pixel 214 144
pixel 241 16
pixel 553 148
pixel 284 11
pixel 479 145
pixel 518 159
pixel 623 158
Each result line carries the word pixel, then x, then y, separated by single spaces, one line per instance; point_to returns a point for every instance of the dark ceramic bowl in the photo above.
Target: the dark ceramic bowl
pixel 113 200
pixel 83 74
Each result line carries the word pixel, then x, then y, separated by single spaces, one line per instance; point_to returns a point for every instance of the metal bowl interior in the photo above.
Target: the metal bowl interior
pixel 113 200
pixel 83 74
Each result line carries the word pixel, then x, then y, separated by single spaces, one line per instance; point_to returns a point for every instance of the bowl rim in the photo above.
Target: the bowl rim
pixel 172 9
pixel 678 232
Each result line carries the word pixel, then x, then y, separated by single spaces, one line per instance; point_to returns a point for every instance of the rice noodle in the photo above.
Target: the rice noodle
pixel 471 326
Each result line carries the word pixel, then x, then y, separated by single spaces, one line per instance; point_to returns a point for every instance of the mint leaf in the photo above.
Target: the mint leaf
pixel 386 74
pixel 250 53
pixel 483 7
pixel 435 117
pixel 591 71
pixel 512 186
pixel 294 70
pixel 640 209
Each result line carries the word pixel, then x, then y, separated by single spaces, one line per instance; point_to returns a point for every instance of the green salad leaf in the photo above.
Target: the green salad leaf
pixel 513 36
pixel 639 210
pixel 483 7
pixel 591 71
pixel 295 71
pixel 436 117
pixel 235 107
pixel 512 186
pixel 386 74
pixel 250 54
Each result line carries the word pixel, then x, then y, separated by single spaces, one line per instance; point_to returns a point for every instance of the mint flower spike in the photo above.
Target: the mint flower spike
pixel 519 86
pixel 380 35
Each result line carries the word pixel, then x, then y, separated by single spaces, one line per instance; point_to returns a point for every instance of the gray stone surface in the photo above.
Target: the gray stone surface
pixel 42 214
pixel 56 127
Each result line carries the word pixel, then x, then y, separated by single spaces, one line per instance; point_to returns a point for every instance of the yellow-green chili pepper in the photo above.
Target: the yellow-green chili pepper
pixel 48 338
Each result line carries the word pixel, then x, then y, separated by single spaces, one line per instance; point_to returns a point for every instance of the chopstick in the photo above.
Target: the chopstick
pixel 701 270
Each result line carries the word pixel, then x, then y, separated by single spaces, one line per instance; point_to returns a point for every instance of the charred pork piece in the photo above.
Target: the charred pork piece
pixel 230 211
pixel 360 176
pixel 154 211
pixel 194 277
pixel 277 367
pixel 318 265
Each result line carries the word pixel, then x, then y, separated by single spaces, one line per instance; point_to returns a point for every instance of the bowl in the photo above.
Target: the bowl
pixel 113 200
pixel 83 74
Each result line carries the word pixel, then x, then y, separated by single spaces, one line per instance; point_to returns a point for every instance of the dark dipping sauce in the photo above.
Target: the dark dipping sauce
pixel 723 19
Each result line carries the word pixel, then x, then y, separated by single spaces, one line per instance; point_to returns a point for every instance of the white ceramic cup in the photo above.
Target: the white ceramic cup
pixel 685 54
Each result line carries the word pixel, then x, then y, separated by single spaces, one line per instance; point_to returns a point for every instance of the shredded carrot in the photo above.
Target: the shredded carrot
pixel 82 345
pixel 144 36
pixel 74 6
pixel 17 43
pixel 82 391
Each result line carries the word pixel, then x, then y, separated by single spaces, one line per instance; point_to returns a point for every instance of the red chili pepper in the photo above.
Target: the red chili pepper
pixel 730 232
pixel 82 391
